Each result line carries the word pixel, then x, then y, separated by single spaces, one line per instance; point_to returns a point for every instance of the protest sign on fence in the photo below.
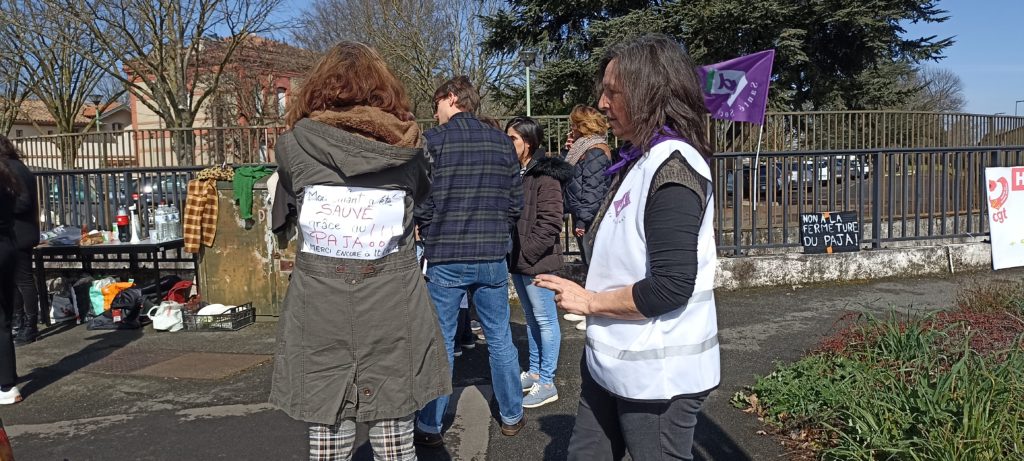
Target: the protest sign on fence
pixel 1006 215
pixel 830 232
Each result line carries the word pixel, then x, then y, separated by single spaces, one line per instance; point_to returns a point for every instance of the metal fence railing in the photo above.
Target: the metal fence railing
pixel 151 148
pixel 899 195
pixel 782 132
pixel 90 198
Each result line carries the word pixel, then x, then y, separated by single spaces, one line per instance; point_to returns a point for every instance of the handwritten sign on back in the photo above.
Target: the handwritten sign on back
pixel 351 222
pixel 830 232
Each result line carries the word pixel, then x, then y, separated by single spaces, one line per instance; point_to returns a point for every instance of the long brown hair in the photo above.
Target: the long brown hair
pixel 349 74
pixel 661 89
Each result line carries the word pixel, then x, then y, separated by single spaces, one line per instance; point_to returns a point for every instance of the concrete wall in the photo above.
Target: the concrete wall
pixel 800 269
pixel 792 269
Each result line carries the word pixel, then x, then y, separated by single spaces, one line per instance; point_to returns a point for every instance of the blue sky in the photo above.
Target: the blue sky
pixel 988 54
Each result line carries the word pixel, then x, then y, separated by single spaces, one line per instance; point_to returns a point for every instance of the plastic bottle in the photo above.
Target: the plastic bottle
pixel 175 221
pixel 123 225
pixel 163 223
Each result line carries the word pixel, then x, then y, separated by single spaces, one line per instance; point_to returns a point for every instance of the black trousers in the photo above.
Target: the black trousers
pixel 8 366
pixel 26 297
pixel 607 426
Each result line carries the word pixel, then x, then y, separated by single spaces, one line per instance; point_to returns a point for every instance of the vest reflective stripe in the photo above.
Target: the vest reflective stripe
pixel 661 357
pixel 652 354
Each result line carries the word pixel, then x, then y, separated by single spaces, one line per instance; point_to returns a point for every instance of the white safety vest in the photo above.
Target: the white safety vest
pixel 673 354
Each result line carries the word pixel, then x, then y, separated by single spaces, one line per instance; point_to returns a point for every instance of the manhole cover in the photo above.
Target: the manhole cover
pixel 131 359
pixel 203 365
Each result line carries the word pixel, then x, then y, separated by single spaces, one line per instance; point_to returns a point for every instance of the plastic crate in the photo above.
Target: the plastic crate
pixel 231 320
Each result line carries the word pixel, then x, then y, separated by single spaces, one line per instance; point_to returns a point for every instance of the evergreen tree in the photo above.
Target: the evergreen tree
pixel 830 54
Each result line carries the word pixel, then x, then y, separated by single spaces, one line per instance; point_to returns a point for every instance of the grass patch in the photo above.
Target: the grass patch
pixel 945 387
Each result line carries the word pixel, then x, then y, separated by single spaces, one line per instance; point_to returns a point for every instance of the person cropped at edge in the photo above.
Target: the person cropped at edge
pixel 590 156
pixel 10 191
pixel 358 339
pixel 466 225
pixel 536 250
pixel 26 237
pixel 651 355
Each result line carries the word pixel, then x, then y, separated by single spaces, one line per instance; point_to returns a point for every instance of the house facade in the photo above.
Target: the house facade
pixel 241 122
pixel 35 131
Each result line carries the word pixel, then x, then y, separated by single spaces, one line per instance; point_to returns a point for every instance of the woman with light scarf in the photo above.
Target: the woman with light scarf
pixel 590 156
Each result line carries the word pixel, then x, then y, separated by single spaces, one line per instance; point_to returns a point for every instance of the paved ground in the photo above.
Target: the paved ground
pixel 147 395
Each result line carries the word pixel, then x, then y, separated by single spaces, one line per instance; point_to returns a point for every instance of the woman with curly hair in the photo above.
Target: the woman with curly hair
pixel 352 167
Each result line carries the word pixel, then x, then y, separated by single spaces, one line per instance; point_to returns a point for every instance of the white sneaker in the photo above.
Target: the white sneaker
pixel 574 317
pixel 582 326
pixel 11 396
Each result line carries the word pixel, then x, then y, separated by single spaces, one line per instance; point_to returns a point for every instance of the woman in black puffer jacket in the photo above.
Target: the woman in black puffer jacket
pixel 590 156
pixel 536 250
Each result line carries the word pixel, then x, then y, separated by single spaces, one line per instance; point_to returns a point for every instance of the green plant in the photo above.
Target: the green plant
pixel 912 389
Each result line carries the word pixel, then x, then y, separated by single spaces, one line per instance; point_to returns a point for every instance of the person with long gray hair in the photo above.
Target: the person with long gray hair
pixel 652 354
pixel 26 237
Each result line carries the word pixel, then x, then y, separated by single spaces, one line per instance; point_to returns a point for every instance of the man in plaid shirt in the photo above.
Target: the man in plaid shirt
pixel 466 227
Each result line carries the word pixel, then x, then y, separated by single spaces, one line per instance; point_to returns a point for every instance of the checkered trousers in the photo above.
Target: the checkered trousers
pixel 391 440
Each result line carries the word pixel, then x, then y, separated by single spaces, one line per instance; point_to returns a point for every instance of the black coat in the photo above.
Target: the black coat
pixel 26 207
pixel 585 192
pixel 536 248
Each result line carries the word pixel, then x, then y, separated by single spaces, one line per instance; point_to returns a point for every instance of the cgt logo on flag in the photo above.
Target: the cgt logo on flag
pixel 730 82
pixel 737 89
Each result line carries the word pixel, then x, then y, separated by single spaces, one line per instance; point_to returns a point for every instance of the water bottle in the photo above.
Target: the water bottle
pixel 175 221
pixel 159 229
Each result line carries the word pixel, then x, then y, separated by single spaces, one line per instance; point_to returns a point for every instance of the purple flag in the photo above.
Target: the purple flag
pixel 737 89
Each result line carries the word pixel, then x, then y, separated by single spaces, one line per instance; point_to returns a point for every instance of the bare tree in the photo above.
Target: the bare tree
pixel 937 90
pixel 423 41
pixel 171 52
pixel 250 95
pixel 13 75
pixel 57 71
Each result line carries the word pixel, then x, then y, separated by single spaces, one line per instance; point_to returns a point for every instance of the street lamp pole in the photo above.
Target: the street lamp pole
pixel 1015 104
pixel 528 57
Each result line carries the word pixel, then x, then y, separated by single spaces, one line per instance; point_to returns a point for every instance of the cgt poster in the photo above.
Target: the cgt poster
pixel 1006 215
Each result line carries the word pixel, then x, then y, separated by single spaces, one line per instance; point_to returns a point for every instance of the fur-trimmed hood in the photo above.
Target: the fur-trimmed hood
pixel 555 167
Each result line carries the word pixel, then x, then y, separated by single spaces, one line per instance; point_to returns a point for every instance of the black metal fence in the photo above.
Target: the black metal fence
pixel 91 198
pixel 782 132
pixel 899 195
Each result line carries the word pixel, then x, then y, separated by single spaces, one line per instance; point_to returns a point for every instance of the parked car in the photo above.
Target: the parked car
pixel 763 180
pixel 855 166
pixel 164 188
pixel 808 172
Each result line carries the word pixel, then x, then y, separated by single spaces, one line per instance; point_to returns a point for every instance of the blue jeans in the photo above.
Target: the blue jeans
pixel 542 323
pixel 447 283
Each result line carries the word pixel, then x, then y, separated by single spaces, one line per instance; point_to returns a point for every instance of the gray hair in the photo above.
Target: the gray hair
pixel 660 84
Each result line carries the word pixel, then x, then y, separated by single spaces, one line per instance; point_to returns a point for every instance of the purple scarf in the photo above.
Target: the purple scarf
pixel 631 152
